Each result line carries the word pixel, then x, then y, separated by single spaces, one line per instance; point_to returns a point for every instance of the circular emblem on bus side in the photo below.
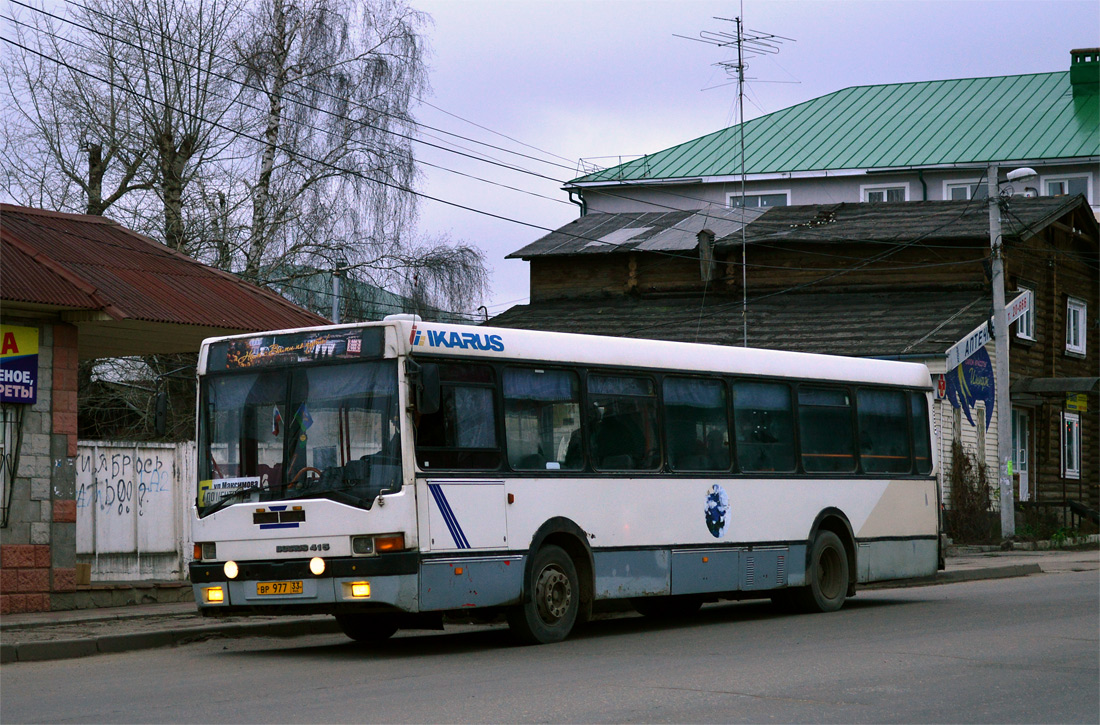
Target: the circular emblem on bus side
pixel 717 511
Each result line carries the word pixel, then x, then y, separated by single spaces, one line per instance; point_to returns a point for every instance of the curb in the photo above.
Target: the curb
pixel 322 624
pixel 112 643
pixel 954 577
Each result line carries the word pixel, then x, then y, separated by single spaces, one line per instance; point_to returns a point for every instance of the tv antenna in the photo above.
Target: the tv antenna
pixel 749 44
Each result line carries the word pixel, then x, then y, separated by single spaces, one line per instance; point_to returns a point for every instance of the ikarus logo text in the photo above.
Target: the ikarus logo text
pixel 459 340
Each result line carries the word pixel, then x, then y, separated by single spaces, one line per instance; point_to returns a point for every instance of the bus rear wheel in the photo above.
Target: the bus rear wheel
pixel 551 599
pixel 827 575
pixel 367 628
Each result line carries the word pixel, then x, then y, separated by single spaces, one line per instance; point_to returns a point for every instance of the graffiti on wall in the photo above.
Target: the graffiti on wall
pixel 124 481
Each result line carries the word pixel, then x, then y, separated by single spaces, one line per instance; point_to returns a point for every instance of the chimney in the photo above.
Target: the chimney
pixel 1084 71
pixel 707 264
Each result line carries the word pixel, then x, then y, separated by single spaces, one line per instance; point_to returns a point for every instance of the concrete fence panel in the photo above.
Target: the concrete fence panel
pixel 133 509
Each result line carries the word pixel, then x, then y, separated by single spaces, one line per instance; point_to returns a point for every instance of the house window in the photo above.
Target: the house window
pixel 1025 323
pixel 885 193
pixel 1075 326
pixel 1071 445
pixel 1069 185
pixel 965 190
pixel 764 200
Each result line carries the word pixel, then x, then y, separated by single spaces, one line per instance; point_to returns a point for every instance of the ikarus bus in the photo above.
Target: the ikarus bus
pixel 392 473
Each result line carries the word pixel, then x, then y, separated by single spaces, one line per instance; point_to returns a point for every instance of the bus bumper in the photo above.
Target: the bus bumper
pixel 287 587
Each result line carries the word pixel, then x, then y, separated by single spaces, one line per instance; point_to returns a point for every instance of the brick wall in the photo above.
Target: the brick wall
pixel 38 547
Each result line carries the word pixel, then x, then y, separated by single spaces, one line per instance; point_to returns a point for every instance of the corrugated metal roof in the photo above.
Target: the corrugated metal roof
pixel 646 231
pixel 91 263
pixel 967 121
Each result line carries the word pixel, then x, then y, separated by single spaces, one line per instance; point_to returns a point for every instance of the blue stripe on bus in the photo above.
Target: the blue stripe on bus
pixel 279 526
pixel 449 516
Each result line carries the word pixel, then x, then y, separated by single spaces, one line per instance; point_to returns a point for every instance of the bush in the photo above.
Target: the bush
pixel 971 519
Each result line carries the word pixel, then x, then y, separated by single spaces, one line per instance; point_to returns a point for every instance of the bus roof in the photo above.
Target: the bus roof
pixel 429 339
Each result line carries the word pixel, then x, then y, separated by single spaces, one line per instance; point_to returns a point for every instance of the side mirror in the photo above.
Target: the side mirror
pixel 425 385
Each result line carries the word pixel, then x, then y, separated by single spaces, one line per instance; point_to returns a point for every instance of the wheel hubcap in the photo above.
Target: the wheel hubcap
pixel 829 580
pixel 553 594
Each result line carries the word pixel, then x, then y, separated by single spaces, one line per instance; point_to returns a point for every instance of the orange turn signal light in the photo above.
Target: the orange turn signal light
pixel 390 542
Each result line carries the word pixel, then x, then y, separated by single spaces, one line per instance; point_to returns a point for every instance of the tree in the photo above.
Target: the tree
pixel 255 135
pixel 177 72
pixel 72 138
pixel 331 82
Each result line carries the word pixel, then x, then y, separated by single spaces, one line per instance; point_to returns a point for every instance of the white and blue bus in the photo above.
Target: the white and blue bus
pixel 391 473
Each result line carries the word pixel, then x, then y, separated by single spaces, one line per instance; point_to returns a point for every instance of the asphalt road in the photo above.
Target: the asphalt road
pixel 1013 650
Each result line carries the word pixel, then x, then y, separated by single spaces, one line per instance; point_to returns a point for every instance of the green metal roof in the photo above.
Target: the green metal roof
pixel 967 121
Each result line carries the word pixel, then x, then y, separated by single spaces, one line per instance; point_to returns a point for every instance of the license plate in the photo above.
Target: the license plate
pixel 267 588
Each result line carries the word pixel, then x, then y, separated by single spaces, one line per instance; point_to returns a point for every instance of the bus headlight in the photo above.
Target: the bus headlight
pixel 214 595
pixel 317 566
pixel 231 570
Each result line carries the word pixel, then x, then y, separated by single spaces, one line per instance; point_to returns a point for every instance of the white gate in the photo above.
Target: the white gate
pixel 133 506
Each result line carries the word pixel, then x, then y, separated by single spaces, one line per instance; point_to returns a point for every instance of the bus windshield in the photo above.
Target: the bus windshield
pixel 307 431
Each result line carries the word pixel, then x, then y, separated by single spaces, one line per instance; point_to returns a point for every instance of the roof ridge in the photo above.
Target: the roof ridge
pixel 33 211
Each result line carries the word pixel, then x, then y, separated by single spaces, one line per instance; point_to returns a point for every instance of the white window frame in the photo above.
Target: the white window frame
pixel 1025 323
pixel 865 188
pixel 1076 326
pixel 949 184
pixel 731 196
pixel 1044 180
pixel 1021 439
pixel 1071 445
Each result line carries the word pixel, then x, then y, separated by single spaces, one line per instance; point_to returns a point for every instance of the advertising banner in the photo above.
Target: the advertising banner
pixel 18 364
pixel 970 381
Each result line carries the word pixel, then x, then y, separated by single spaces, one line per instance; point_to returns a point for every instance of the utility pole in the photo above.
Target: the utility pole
pixel 1000 338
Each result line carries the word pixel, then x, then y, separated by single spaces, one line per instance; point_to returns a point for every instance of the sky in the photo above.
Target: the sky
pixel 566 80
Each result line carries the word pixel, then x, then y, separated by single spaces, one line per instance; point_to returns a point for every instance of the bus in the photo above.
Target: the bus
pixel 391 473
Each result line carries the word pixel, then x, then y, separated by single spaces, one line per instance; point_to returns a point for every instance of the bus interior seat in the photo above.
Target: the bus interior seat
pixel 531 462
pixel 620 462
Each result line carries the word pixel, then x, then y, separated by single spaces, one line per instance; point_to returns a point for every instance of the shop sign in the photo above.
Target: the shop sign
pixel 18 364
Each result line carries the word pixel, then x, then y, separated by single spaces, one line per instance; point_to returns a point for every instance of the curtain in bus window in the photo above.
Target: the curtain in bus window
pixel 883 431
pixel 695 424
pixel 473 418
pixel 922 440
pixel 764 426
pixel 461 435
pixel 542 419
pixel 623 436
pixel 825 430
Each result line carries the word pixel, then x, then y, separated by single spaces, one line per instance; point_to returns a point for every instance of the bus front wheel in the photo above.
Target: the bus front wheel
pixel 551 600
pixel 827 575
pixel 367 628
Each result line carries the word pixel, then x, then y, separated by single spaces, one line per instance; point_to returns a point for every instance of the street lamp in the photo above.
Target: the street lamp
pixel 1000 337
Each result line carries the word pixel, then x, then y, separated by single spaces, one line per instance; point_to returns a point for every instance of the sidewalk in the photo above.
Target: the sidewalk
pixel 80 633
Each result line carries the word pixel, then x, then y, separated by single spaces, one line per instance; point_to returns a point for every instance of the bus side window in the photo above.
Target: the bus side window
pixel 922 440
pixel 883 431
pixel 695 424
pixel 462 434
pixel 825 430
pixel 542 419
pixel 623 434
pixel 764 425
